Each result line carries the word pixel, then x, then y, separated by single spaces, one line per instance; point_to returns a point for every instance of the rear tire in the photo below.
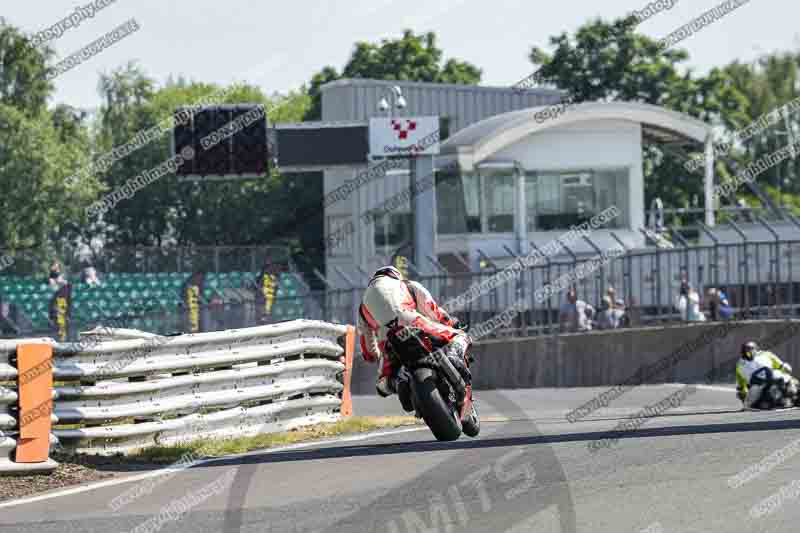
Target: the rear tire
pixel 443 423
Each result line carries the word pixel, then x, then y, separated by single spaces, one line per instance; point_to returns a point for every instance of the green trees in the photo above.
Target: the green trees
pixel 42 143
pixel 412 57
pixel 610 61
pixel 185 213
pixel 768 85
pixel 23 76
pixel 39 149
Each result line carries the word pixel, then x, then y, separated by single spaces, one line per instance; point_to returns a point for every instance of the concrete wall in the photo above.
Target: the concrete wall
pixel 611 358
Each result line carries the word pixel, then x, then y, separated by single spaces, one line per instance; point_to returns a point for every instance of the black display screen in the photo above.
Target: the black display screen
pixel 347 145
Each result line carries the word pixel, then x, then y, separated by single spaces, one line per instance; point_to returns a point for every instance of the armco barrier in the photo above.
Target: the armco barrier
pixel 138 392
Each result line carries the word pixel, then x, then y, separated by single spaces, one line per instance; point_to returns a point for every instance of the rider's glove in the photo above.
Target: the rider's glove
pixel 741 394
pixel 787 368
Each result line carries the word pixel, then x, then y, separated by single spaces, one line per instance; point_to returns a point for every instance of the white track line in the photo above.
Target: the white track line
pixel 168 470
pixel 717 388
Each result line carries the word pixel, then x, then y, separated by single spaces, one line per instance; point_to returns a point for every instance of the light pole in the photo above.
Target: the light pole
pixel 397 101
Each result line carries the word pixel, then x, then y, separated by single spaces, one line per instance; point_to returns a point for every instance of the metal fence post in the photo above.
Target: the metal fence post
pixel 744 265
pixel 775 263
pixel 547 278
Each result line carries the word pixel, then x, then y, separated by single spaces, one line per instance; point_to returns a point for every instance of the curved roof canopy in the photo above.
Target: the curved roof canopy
pixel 481 140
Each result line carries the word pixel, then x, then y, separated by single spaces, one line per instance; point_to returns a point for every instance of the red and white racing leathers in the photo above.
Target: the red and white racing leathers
pixel 387 299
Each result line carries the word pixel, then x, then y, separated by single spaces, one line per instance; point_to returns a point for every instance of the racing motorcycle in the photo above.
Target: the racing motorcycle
pixel 772 389
pixel 437 386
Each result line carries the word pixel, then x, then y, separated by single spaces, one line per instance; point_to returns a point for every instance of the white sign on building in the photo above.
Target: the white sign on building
pixel 403 136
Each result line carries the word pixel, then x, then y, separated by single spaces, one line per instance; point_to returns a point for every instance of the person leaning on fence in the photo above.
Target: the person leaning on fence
pixel 604 318
pixel 719 308
pixel 612 314
pixel 612 294
pixel 688 304
pixel 575 315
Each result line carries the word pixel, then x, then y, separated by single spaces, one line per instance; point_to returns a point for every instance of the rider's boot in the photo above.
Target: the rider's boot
pixel 386 386
pixel 404 394
pixel 387 382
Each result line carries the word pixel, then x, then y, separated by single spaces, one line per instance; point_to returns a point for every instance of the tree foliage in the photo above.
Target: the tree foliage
pixel 609 61
pixel 186 213
pixel 412 58
pixel 768 84
pixel 23 72
pixel 37 204
pixel 39 149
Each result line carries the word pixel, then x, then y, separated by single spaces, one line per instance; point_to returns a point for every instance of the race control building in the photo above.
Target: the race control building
pixel 514 170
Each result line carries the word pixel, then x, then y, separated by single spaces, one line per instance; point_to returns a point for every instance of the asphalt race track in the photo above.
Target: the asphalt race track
pixel 530 470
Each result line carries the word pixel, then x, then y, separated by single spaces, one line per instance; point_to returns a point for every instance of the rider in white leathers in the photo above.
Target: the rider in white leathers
pixel 392 303
pixel 752 360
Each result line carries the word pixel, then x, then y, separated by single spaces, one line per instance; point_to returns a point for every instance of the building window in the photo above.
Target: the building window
pixel 393 229
pixel 458 203
pixel 339 236
pixel 557 200
pixel 498 188
pixel 444 128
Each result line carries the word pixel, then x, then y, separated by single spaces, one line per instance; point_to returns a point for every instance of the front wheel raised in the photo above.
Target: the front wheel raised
pixel 443 422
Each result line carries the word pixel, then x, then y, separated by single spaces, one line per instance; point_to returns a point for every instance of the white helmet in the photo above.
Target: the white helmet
pixel 390 271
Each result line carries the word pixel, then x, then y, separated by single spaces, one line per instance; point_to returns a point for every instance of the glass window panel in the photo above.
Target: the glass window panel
pixel 458 202
pixel 530 201
pixel 499 187
pixel 340 235
pixel 612 190
pixel 558 200
pixel 393 229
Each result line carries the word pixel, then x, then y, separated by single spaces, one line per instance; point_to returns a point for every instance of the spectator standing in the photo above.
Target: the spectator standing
pixel 605 319
pixel 725 307
pixel 612 314
pixel 719 308
pixel 89 276
pixel 713 304
pixel 688 304
pixel 575 315
pixel 56 278
pixel 621 314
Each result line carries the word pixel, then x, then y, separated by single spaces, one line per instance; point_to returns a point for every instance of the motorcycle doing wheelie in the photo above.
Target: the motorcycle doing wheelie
pixel 434 383
pixel 772 389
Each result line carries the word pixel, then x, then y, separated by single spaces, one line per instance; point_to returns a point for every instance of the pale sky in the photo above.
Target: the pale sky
pixel 280 45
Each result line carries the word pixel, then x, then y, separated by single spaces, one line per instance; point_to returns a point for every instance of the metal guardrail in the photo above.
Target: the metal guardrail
pixel 130 393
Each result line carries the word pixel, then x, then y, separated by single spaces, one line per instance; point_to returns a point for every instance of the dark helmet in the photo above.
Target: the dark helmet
pixel 390 271
pixel 749 350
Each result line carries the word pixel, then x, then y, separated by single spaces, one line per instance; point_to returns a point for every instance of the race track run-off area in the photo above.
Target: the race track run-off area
pixel 697 467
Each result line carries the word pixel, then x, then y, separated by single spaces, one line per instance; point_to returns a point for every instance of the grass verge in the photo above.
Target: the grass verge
pixel 217 448
pixel 79 469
